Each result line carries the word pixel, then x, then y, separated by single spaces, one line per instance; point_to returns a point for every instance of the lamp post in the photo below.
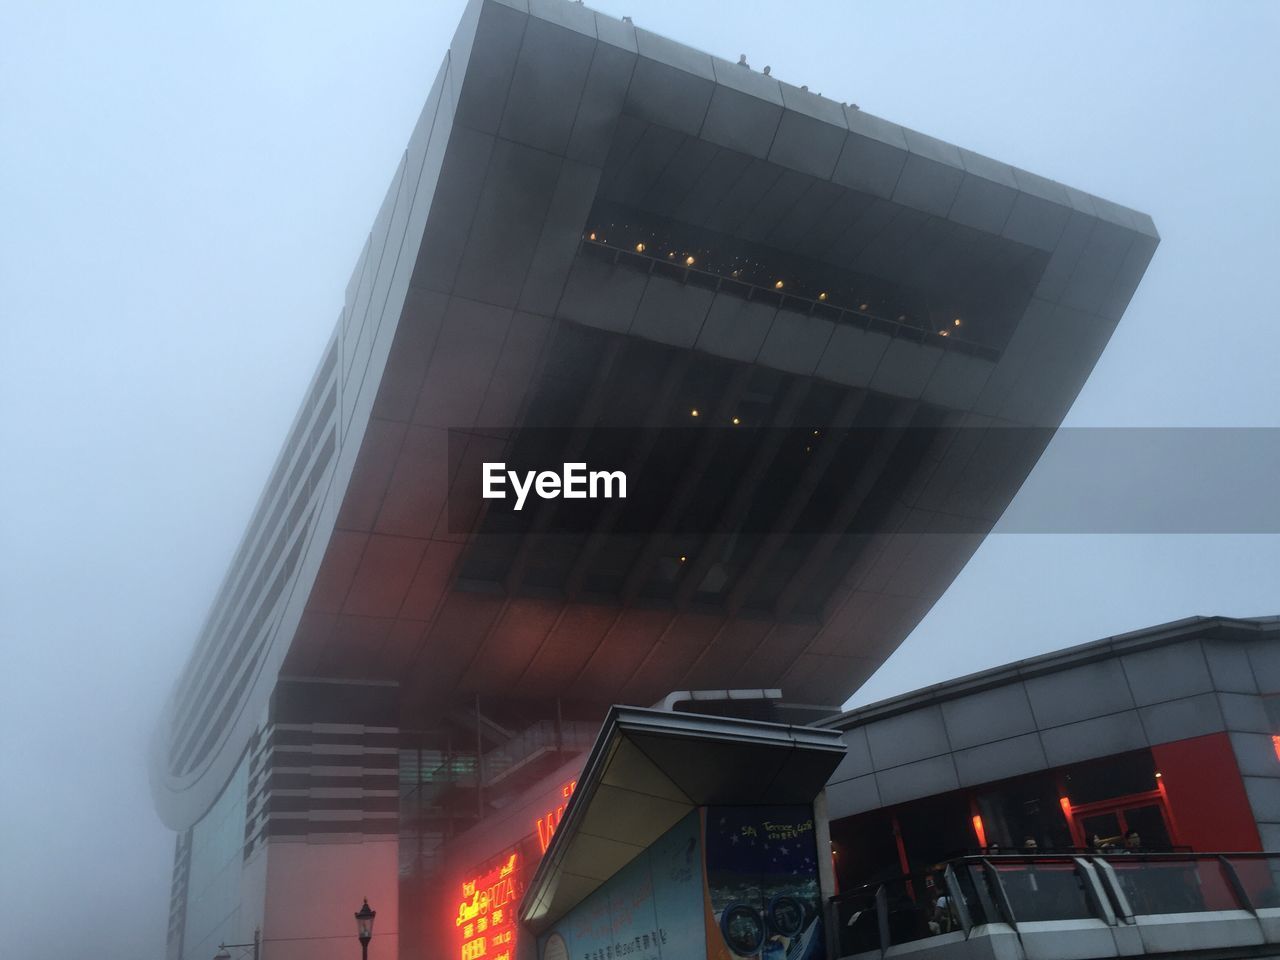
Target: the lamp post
pixel 364 927
pixel 225 954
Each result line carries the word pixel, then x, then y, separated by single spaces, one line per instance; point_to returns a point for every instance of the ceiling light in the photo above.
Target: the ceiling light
pixel 639 248
pixel 693 412
pixel 778 285
pixel 822 296
pixel 592 236
pixel 688 261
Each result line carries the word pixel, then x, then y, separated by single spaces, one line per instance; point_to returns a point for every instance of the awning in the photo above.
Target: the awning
pixel 647 770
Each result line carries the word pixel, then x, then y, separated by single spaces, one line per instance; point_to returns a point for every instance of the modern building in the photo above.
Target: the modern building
pixel 1151 754
pixel 826 349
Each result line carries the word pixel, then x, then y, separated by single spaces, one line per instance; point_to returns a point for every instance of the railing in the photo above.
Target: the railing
pixel 747 290
pixel 967 892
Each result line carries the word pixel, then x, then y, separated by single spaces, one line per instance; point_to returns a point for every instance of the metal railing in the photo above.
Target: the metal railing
pixel 747 290
pixel 967 892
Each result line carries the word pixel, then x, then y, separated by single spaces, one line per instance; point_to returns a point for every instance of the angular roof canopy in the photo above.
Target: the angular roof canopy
pixel 647 771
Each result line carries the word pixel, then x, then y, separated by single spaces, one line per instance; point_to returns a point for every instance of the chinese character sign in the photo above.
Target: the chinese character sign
pixel 487 912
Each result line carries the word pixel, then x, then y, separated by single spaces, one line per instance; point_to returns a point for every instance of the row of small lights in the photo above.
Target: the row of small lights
pixel 690 260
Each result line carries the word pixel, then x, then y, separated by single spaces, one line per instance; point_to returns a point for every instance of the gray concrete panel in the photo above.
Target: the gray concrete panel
pixel 602 295
pixel 490 65
pixel 561 235
pixel 1167 672
pixel 869 165
pixel 550 75
pixel 778 201
pixel 1132 268
pixel 740 122
pixel 923 778
pixel 907 737
pixel 982 204
pixel 735 328
pixel 724 170
pixel 671 312
pixel 1099 737
pixel 812 133
pixel 508 222
pixel 957 380
pixel 1062 263
pixel 601 103
pixel 852 355
pixel 1255 754
pixel 927 185
pixel 1264 797
pixel 571 16
pixel 905 368
pixel 848 797
pixel 1096 271
pixel 857 759
pixel 1037 186
pixel 671 85
pixel 805 214
pixel 1036 222
pixel 1090 690
pixel 1229 667
pixel 995 714
pixel 1244 712
pixel 932 148
pixel 1182 719
pixel 996 761
pixel 667 195
pixel 1264 657
pixel 466 161
pixel 795 342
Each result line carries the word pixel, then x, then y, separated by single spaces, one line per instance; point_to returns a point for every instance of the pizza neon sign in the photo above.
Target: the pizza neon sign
pixel 486 919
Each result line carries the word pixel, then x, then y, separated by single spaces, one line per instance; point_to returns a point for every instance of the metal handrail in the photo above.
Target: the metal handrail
pixel 1103 888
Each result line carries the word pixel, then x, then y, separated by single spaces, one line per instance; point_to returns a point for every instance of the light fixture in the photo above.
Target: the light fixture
pixel 683 558
pixel 815 433
pixel 689 261
pixel 671 255
pixel 736 421
pixel 956 322
pixel 592 235
pixel 1159 775
pixel 364 927
pixel 863 307
pixel 943 333
pixel 822 296
pixel 693 412
pixel 639 248
pixel 778 285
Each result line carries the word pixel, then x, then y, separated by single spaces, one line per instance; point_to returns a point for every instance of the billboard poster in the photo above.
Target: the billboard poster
pixel 652 909
pixel 762 896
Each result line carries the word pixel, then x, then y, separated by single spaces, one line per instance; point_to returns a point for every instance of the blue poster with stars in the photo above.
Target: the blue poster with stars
pixel 762 884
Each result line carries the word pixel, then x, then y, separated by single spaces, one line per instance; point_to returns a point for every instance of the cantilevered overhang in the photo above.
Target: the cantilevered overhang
pixel 650 768
pixel 478 284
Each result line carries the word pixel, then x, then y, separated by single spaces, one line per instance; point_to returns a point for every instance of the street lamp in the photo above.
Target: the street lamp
pixel 225 954
pixel 364 927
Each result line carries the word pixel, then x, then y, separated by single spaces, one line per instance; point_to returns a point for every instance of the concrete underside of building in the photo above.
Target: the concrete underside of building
pixel 596 229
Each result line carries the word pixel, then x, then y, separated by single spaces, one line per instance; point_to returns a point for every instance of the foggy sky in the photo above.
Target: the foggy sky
pixel 184 192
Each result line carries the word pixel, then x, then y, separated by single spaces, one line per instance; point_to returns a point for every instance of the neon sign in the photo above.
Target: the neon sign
pixel 486 919
pixel 548 822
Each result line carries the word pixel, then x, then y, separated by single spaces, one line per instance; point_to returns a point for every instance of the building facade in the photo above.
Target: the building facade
pixel 826 349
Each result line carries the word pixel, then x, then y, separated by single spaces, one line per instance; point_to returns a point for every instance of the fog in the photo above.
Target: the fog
pixel 184 190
